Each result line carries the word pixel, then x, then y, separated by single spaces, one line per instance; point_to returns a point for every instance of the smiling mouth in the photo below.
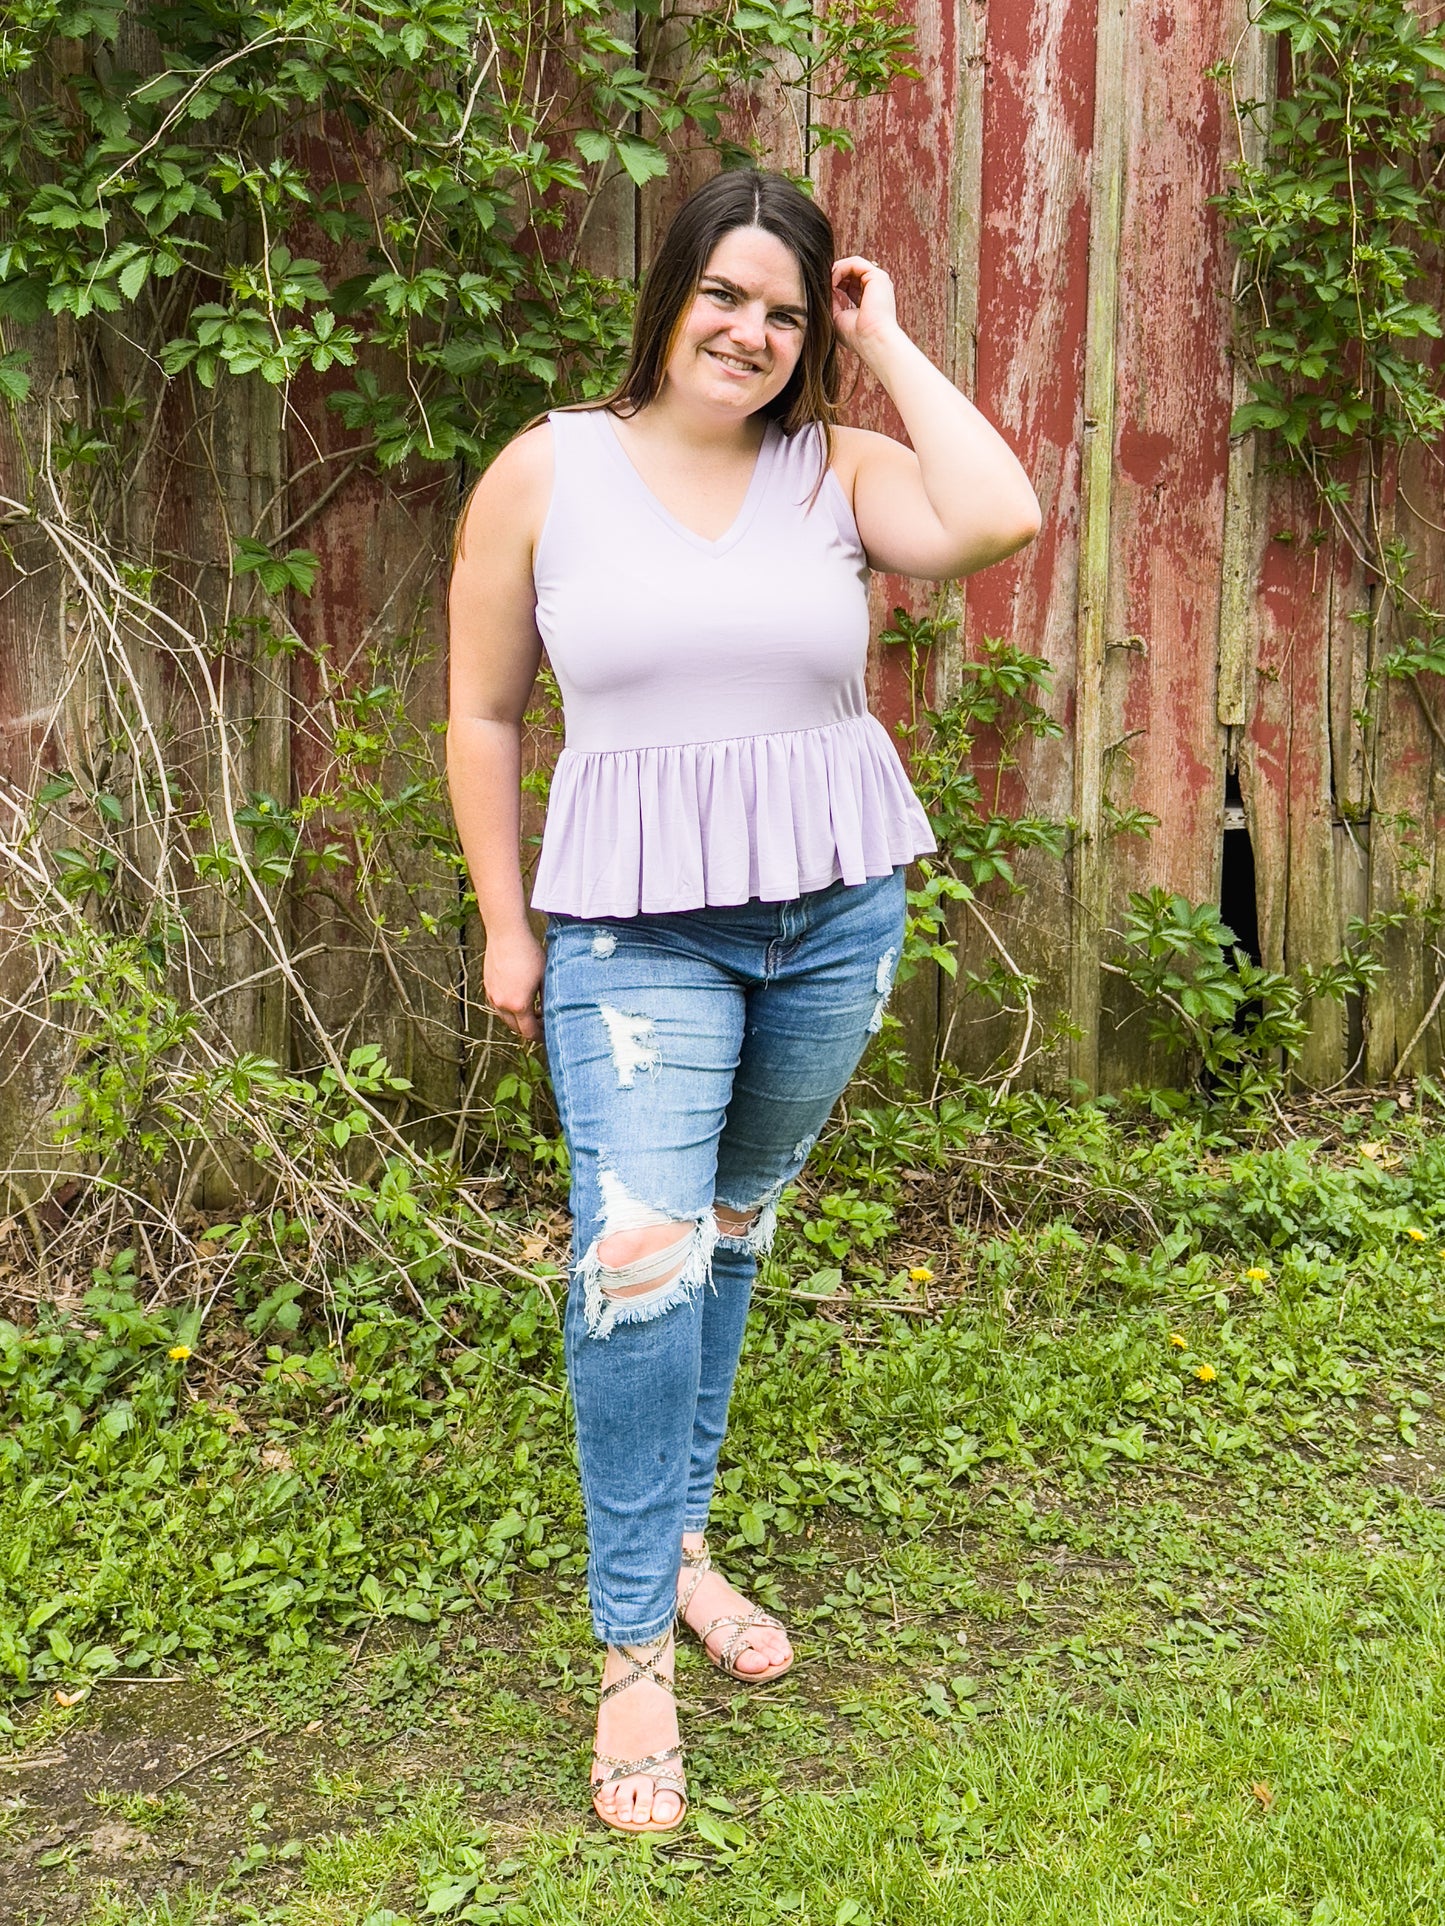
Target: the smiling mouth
pixel 734 362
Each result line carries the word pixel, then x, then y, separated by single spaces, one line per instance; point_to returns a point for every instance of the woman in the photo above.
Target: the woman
pixel 723 862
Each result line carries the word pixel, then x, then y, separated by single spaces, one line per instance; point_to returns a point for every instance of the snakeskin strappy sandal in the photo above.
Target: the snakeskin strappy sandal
pixel 644 1661
pixel 699 1562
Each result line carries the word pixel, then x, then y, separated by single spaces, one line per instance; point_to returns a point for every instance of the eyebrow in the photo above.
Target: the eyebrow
pixel 779 307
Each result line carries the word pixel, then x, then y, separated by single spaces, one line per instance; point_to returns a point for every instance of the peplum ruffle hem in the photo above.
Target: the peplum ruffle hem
pixel 657 830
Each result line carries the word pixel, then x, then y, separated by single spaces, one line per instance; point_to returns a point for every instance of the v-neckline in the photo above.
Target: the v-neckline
pixel 739 525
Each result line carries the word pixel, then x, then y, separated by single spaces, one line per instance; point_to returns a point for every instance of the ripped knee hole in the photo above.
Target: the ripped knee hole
pixel 647 1259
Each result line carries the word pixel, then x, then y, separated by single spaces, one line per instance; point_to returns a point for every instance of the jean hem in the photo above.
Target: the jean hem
pixel 611 1635
pixel 695 1522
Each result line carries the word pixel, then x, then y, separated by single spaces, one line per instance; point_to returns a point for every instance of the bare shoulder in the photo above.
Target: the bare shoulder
pixel 509 503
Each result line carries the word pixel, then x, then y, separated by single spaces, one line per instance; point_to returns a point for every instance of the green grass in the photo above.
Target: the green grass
pixel 1095 1625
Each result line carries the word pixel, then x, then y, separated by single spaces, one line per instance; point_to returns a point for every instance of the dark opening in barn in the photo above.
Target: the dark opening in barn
pixel 1238 904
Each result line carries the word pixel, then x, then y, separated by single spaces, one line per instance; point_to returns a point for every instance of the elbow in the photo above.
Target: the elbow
pixel 1027 519
pixel 1019 528
pixel 1006 537
pixel 1027 527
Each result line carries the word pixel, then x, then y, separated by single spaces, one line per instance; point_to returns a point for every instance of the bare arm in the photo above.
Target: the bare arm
pixel 958 499
pixel 495 649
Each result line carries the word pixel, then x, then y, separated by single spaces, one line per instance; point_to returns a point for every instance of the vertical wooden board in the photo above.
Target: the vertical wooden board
pixel 378 620
pixel 1087 870
pixel 1417 522
pixel 1032 275
pixel 892 200
pixel 1403 756
pixel 1029 286
pixel 1162 748
pixel 1331 833
pixel 234 441
pixel 33 1058
pixel 1286 769
pixel 1315 920
pixel 1251 96
pixel 1398 865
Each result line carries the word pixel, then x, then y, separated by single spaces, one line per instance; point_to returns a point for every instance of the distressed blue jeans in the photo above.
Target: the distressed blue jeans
pixel 695 1057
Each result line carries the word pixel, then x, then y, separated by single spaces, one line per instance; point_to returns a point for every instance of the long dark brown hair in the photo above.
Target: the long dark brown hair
pixel 737 198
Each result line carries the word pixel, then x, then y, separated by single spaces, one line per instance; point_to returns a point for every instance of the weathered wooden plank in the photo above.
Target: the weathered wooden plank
pixel 379 622
pixel 1031 294
pixel 1252 85
pixel 1285 760
pixel 33 1058
pixel 1402 757
pixel 1109 159
pixel 1418 523
pixel 892 200
pixel 1162 748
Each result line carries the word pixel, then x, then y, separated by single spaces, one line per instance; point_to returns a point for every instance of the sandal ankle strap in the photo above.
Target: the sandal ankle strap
pixel 698 1561
pixel 643 1661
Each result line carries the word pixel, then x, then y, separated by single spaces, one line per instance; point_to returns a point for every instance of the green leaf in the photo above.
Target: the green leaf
pixel 133 276
pixel 451 1892
pixel 642 160
pixel 14 381
pixel 296 569
pixel 1257 414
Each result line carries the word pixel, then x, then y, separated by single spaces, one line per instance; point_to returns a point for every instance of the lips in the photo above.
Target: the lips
pixel 735 362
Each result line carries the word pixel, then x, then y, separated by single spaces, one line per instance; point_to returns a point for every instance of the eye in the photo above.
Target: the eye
pixel 718 294
pixel 786 320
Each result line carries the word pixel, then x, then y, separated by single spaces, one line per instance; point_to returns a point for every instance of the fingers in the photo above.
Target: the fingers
pixel 527 1022
pixel 512 980
pixel 858 269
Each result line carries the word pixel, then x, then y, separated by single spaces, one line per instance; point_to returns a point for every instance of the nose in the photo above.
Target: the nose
pixel 749 326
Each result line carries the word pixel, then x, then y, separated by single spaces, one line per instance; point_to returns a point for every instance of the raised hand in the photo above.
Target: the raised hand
pixel 864 308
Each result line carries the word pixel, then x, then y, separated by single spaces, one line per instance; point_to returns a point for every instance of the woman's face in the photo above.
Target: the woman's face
pixel 741 338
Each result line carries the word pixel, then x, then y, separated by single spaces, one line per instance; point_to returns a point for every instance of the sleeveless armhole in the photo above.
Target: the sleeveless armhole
pixel 843 513
pixel 837 494
pixel 559 437
pixel 832 495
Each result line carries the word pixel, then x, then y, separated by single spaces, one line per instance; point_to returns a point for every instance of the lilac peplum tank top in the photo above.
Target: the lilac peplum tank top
pixel 718 741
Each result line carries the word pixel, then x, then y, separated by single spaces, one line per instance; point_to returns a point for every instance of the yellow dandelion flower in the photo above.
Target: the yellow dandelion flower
pixel 920 1274
pixel 1257 1274
pixel 179 1352
pixel 1205 1373
pixel 1178 1340
pixel 1415 1236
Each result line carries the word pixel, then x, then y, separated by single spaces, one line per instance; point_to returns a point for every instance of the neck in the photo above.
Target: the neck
pixel 702 431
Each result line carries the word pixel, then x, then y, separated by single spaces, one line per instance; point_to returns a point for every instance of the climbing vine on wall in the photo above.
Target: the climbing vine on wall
pixel 1339 219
